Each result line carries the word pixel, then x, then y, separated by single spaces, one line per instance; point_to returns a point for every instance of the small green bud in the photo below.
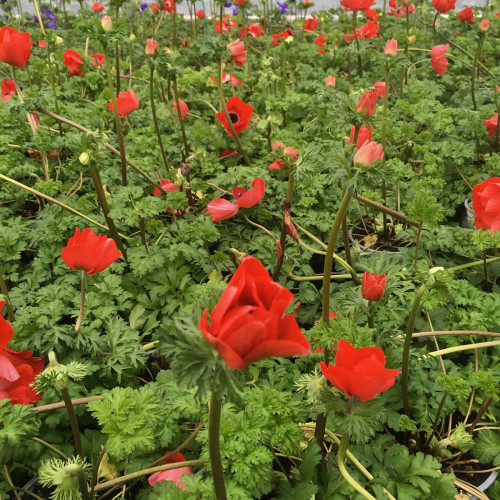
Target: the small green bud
pixel 84 158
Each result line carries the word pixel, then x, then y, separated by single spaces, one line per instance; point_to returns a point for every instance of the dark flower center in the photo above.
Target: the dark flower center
pixel 234 117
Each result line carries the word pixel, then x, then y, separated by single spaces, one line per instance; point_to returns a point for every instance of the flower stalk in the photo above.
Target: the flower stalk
pixel 185 153
pixel 214 445
pixel 73 421
pixel 82 301
pixel 360 61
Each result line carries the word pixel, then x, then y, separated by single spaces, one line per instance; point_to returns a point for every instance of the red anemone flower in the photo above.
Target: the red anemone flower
pixel 167 186
pixel 184 109
pixel 321 41
pixel 490 124
pixel 379 88
pixel 155 7
pixel 438 61
pixel 486 204
pixel 221 209
pixel 98 59
pixel 369 30
pixel 89 252
pixel 200 14
pixel 174 475
pixel 373 286
pixel 8 90
pixel 364 134
pixel 284 34
pixel 15 47
pixel 42 44
pixel 225 25
pixel 372 14
pixel 74 61
pixel 253 29
pixel 98 7
pixel 229 78
pixel 126 102
pixel 249 321
pixel 237 52
pixel 311 24
pixel 169 6
pixel 443 6
pixel 466 15
pixel 18 370
pixel 367 103
pixel 357 4
pixel 239 114
pixel 359 372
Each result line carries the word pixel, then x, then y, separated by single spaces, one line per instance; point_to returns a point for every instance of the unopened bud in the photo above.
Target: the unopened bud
pixel 411 39
pixel 185 168
pixel 151 47
pixel 132 37
pixel 84 158
pixel 59 40
pixel 484 25
pixel 106 23
pixel 289 39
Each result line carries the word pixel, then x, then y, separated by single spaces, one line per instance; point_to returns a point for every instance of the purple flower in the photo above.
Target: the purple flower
pixel 228 4
pixel 235 11
pixel 283 7
pixel 144 6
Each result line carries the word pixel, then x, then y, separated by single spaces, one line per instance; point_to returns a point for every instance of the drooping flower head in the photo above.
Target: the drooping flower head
pixel 89 252
pixel 74 61
pixel 237 52
pixel 438 60
pixel 359 372
pixel 486 204
pixel 184 109
pixel 15 47
pixel 126 102
pixel 249 322
pixel 240 114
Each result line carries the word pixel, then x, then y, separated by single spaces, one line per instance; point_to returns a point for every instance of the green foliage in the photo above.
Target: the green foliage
pixel 19 423
pixel 487 447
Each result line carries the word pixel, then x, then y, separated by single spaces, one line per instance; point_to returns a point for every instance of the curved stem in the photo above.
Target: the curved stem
pixel 214 445
pixel 179 115
pixel 73 422
pixel 406 348
pixel 82 302
pixel 57 202
pixel 344 443
pixel 117 117
pixel 465 347
pixel 226 113
pixel 155 120
pixel 50 447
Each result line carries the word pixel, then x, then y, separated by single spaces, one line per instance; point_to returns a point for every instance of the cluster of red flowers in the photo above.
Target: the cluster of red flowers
pixel 284 34
pixel 221 209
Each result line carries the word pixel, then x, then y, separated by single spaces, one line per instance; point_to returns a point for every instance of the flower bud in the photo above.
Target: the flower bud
pixel 185 168
pixel 106 23
pixel 484 25
pixel 84 158
pixel 391 48
pixel 373 286
pixel 289 39
pixel 132 37
pixel 411 39
pixel 368 153
pixel 151 47
pixel 59 40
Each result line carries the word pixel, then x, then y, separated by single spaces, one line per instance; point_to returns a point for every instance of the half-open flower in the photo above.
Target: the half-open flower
pixel 368 153
pixel 126 102
pixel 367 103
pixel 237 52
pixel 74 61
pixel 486 204
pixel 438 61
pixel 364 134
pixel 8 89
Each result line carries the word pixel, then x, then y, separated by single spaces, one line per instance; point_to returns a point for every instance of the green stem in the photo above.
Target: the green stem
pixel 329 255
pixel 117 58
pixel 82 301
pixel 436 419
pixel 73 422
pixel 52 82
pixel 406 349
pixel 344 444
pixel 155 120
pixel 117 117
pixel 465 347
pixel 214 445
pixel 360 62
pixel 57 202
pixel 101 196
pixel 419 232
pixel 287 205
pixel 5 292
pixel 474 68
pixel 226 113
pixel 39 16
pixel 383 139
pixel 472 264
pixel 384 15
pixel 179 115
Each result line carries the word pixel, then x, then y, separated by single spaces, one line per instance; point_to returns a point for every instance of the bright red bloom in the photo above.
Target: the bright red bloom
pixel 486 204
pixel 98 7
pixel 466 15
pixel 169 6
pixel 98 59
pixel 249 322
pixel 369 30
pixel 364 134
pixel 284 34
pixel 443 6
pixel 167 186
pixel 391 48
pixel 221 209
pixel 200 14
pixel 18 370
pixel 15 47
pixel 367 103
pixel 151 47
pixel 8 90
pixel 126 102
pixel 330 81
pixel 74 61
pixel 379 88
pixel 155 7
pixel 237 52
pixel 239 114
pixel 229 78
pixel 239 3
pixel 321 42
pixel 311 24
pixel 372 14
pixel 349 37
pixel 373 286
pixel 253 29
pixel 225 25
pixel 438 61
pixel 173 474
pixel 42 44
pixel 359 372
pixel 490 124
pixel 357 4
pixel 184 108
